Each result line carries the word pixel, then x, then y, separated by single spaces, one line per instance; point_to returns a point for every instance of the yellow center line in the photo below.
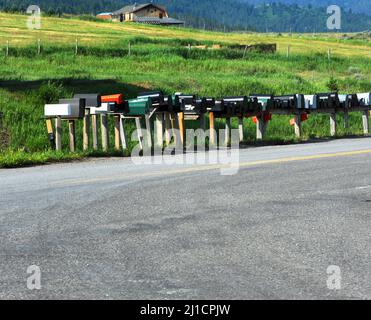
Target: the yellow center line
pixel 208 168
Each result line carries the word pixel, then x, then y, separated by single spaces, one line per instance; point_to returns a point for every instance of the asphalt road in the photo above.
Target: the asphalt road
pixel 112 229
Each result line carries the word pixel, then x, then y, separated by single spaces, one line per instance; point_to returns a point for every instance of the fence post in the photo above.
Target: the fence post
pixel 227 131
pixel 167 128
pixel 86 129
pixel 240 128
pixel 297 126
pixel 58 134
pixel 212 128
pixel 159 129
pixel 333 124
pixel 104 128
pixel 260 128
pixel 94 120
pixel 77 47
pixel 365 117
pixel 139 132
pixel 123 133
pixel 71 129
pixel 117 133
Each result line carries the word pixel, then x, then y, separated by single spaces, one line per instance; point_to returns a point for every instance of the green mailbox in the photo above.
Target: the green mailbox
pixel 139 107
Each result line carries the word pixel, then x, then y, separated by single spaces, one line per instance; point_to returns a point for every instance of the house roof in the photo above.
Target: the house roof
pixel 136 7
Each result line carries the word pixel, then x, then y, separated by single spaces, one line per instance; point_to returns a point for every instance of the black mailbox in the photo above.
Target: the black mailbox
pixel 77 105
pixel 265 102
pixel 348 101
pixel 328 100
pixel 92 100
pixel 290 102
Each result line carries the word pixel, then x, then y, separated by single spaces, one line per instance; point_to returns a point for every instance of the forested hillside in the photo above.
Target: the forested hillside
pixel 216 14
pixel 360 6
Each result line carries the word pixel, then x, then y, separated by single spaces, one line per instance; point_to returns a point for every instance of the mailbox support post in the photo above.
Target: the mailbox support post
pixel 333 124
pixel 104 127
pixel 365 117
pixel 212 128
pixel 175 125
pixel 227 131
pixel 58 134
pixel 86 130
pixel 240 128
pixel 123 133
pixel 181 127
pixel 297 126
pixel 139 132
pixel 94 120
pixel 346 120
pixel 49 126
pixel 149 131
pixel 260 128
pixel 71 129
pixel 117 133
pixel 159 129
pixel 167 128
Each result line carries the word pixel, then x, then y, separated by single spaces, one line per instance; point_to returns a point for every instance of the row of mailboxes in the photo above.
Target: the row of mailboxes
pixel 156 101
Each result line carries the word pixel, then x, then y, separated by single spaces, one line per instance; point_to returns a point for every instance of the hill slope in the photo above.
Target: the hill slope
pixel 216 14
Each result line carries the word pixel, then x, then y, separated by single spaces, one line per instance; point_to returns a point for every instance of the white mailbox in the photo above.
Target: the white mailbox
pixel 103 109
pixel 364 98
pixel 58 110
pixel 311 101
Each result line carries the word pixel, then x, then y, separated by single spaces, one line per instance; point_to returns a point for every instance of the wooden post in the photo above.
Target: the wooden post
pixel 7 48
pixel 227 131
pixel 240 128
pixel 129 49
pixel 288 51
pixel 86 129
pixel 159 129
pixel 71 129
pixel 49 127
pixel 117 133
pixel 77 47
pixel 333 124
pixel 365 122
pixel 167 128
pixel 212 128
pixel 260 128
pixel 139 132
pixel 58 134
pixel 181 127
pixel 94 120
pixel 104 129
pixel 123 133
pixel 149 130
pixel 329 54
pixel 175 125
pixel 38 46
pixel 297 126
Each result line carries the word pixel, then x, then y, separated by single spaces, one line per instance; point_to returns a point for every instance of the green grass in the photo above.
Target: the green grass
pixel 160 60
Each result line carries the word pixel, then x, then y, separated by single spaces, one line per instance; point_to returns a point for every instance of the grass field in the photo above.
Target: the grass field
pixel 160 59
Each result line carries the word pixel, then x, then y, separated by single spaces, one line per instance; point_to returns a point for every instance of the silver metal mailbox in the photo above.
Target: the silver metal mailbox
pixel 77 107
pixel 364 98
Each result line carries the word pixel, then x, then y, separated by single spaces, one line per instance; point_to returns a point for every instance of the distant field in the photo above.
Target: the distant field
pixel 160 59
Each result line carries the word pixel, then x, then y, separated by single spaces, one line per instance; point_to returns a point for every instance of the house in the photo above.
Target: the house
pixel 143 13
